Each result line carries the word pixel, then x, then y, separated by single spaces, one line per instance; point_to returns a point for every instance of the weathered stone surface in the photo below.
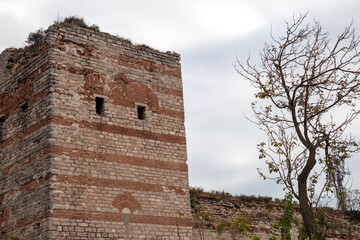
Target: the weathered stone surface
pixel 263 213
pixel 76 160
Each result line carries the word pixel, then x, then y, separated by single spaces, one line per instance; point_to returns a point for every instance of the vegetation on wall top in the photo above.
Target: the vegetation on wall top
pixel 37 38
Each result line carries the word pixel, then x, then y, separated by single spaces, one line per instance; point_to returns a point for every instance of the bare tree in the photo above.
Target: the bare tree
pixel 309 85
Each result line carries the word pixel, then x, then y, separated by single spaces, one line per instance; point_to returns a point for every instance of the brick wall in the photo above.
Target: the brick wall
pixel 76 160
pixel 25 130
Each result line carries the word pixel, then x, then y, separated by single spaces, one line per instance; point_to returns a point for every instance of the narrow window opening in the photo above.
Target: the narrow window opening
pixel 141 112
pixel 2 120
pixel 24 106
pixel 99 105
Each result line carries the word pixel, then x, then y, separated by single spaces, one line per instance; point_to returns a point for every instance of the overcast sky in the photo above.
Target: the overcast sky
pixel 209 35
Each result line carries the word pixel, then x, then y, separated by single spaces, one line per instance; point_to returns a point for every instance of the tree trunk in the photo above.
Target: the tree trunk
pixel 305 209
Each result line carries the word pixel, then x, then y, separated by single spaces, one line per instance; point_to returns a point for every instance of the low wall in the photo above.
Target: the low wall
pixel 263 213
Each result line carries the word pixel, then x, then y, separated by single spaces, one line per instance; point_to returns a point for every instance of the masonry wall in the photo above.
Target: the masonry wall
pixel 103 172
pixel 24 134
pixel 262 213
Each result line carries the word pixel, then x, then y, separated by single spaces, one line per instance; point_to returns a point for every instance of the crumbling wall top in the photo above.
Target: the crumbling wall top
pixel 14 59
pixel 89 33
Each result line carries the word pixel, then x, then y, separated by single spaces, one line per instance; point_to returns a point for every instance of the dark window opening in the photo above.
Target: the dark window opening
pixel 24 106
pixel 2 120
pixel 99 105
pixel 141 112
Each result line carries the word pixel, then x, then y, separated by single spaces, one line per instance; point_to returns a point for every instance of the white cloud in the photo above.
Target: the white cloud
pixel 183 24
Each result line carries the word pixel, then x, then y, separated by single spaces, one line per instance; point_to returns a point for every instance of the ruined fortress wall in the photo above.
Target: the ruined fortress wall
pixel 100 151
pixel 24 134
pixel 262 213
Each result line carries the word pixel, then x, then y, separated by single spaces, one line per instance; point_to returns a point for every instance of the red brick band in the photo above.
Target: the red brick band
pixel 70 152
pixel 21 163
pixel 94 126
pixel 29 130
pixel 120 130
pixel 20 223
pixel 100 216
pixel 118 217
pixel 34 183
pixel 135 161
pixel 113 183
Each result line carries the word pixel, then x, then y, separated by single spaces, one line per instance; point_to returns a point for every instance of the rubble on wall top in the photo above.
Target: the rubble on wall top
pixel 17 58
pixel 112 38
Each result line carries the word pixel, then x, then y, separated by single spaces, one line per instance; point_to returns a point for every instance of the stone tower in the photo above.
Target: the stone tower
pixel 92 140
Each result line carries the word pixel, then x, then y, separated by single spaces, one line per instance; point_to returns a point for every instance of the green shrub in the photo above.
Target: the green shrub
pixel 201 221
pixel 282 229
pixel 36 38
pixel 78 21
pixel 196 190
pixel 9 237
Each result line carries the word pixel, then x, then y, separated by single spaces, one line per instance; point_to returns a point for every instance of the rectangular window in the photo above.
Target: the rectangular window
pixel 99 105
pixel 24 106
pixel 141 112
pixel 23 109
pixel 2 120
